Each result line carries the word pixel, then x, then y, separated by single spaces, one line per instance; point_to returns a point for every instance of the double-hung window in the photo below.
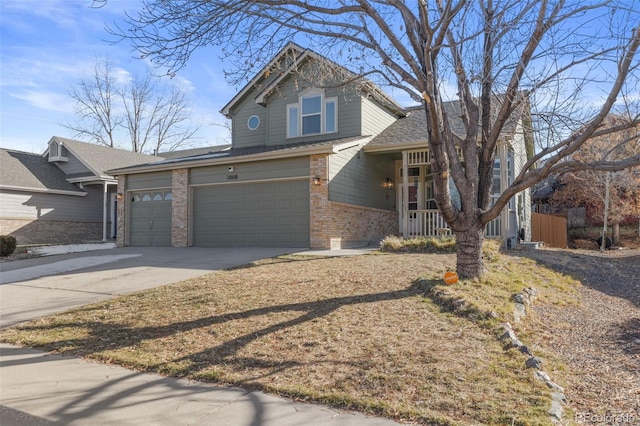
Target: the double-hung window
pixel 312 115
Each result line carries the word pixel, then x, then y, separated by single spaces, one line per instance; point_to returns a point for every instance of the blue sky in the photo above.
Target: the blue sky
pixel 48 45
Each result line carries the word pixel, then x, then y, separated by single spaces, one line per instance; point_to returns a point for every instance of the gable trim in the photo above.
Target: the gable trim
pixel 226 110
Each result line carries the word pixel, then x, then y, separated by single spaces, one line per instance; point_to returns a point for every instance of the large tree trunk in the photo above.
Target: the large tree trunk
pixel 469 262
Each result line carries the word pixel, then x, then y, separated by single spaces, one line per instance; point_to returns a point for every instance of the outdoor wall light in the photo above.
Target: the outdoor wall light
pixel 119 196
pixel 389 184
pixel 316 180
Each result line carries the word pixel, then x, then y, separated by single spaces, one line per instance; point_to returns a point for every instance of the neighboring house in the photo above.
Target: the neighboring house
pixel 63 195
pixel 315 167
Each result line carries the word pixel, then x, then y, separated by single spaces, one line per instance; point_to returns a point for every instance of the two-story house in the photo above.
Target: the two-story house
pixel 327 166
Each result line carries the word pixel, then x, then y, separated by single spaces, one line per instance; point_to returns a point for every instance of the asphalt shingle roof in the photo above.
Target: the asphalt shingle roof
pixel 26 170
pixel 226 151
pixel 192 152
pixel 102 158
pixel 413 127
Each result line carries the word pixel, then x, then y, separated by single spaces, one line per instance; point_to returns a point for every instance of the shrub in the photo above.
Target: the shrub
pixel 419 244
pixel 490 247
pixel 7 245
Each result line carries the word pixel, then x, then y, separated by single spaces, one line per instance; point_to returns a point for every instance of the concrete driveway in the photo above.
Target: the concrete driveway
pixel 37 287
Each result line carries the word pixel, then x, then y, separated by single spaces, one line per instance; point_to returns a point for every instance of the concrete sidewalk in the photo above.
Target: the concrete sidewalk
pixel 44 390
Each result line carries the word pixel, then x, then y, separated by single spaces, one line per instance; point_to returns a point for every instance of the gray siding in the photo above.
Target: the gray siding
pixel 358 178
pixel 273 117
pixel 149 180
pixel 33 205
pixel 523 203
pixel 349 114
pixel 374 118
pixel 274 169
pixel 73 167
pixel 242 136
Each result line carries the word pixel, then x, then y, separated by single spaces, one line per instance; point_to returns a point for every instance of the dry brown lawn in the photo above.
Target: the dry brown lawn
pixel 352 332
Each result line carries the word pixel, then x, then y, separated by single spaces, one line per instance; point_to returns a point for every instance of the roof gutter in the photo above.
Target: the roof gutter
pixel 44 190
pixel 396 147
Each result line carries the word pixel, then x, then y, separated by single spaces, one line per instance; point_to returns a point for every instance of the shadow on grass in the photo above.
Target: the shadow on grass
pixel 105 336
pixel 614 276
pixel 629 337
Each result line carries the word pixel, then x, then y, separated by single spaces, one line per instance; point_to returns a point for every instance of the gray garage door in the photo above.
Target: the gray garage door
pixel 150 220
pixel 274 214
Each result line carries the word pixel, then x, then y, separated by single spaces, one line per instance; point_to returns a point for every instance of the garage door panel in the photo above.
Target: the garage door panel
pixel 150 219
pixel 257 214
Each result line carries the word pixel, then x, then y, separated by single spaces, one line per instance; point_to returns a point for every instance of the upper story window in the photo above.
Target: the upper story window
pixel 312 115
pixel 57 152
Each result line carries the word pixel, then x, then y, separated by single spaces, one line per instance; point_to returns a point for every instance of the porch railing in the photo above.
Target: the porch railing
pixel 429 223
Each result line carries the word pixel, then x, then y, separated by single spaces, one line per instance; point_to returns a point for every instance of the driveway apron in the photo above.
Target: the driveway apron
pixel 32 288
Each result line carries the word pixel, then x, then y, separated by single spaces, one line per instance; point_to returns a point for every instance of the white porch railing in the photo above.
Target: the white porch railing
pixel 427 223
pixel 493 229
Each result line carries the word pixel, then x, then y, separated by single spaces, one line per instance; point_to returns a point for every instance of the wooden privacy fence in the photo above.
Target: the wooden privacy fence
pixel 551 230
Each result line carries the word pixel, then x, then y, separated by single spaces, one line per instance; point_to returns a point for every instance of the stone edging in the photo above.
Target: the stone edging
pixel 521 302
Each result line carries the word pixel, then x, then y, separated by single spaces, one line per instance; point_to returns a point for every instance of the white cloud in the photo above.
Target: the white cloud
pixel 49 101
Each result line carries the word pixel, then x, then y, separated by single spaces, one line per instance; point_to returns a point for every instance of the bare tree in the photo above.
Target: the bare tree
pixel 95 98
pixel 150 115
pixel 549 54
pixel 610 195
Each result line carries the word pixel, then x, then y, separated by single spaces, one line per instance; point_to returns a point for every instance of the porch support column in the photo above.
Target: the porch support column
pixel 105 210
pixel 405 194
pixel 121 212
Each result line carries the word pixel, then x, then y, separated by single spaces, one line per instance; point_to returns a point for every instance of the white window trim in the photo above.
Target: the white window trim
pixel 289 108
pixel 323 114
pixel 249 121
pixel 334 101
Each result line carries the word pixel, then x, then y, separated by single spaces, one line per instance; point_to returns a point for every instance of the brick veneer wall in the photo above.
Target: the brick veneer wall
pixel 339 225
pixel 41 231
pixel 320 216
pixel 353 225
pixel 180 208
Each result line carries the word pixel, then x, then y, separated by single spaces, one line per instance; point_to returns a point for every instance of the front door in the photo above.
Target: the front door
pixel 415 199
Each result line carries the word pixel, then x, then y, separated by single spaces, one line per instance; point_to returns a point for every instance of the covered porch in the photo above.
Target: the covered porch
pixel 418 214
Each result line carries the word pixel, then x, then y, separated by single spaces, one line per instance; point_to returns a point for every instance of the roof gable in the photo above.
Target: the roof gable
pixel 32 172
pixel 98 159
pixel 290 60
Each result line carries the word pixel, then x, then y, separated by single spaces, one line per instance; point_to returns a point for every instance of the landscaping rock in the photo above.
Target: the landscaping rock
pixel 460 303
pixel 510 336
pixel 525 350
pixel 534 362
pixel 519 312
pixel 519 298
pixel 556 410
pixel 541 375
pixel 531 293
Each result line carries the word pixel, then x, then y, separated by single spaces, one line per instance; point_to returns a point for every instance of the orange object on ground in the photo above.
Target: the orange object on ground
pixel 450 277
